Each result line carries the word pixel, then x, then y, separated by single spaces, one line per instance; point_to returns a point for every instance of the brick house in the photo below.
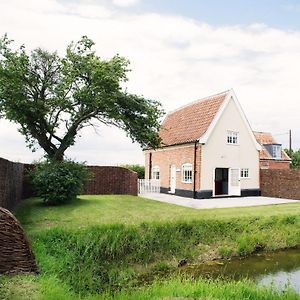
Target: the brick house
pixel 271 156
pixel 208 149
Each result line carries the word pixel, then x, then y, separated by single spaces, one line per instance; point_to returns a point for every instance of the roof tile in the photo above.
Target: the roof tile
pixel 190 122
pixel 265 138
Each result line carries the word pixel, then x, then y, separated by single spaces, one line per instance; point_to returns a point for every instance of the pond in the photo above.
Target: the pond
pixel 280 269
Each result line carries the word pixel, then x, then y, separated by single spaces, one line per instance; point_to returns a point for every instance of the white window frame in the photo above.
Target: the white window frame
pixel 186 168
pixel 232 137
pixel 156 172
pixel 276 151
pixel 245 173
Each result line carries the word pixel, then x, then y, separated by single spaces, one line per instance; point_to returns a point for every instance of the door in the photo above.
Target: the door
pixel 221 181
pixel 173 179
pixel 234 182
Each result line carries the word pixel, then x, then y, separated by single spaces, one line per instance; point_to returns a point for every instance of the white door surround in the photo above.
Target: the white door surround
pixel 173 179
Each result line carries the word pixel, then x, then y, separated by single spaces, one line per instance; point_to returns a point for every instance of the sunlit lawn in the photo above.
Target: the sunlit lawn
pixel 108 209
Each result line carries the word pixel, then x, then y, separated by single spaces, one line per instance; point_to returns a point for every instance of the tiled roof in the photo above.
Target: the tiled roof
pixel 265 138
pixel 190 122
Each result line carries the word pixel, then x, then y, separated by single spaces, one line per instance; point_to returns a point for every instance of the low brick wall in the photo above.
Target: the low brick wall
pixel 281 183
pixel 111 180
pixel 106 180
pixel 11 183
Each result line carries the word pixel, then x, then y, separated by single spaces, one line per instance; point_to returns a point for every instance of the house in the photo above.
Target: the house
pixel 208 149
pixel 271 156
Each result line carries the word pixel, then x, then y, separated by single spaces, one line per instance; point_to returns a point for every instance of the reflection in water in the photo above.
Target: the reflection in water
pixel 279 268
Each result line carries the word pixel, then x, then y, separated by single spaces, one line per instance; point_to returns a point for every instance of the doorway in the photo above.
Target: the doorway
pixel 173 179
pixel 221 181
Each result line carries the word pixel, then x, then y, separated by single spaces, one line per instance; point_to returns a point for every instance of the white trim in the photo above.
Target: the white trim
pixel 182 172
pixel 243 170
pixel 172 179
pixel 167 148
pixel 233 132
pixel 155 169
pixel 231 95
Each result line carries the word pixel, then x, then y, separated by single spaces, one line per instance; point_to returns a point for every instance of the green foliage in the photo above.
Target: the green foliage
pixel 225 251
pixel 295 156
pixel 80 256
pixel 140 170
pixel 53 97
pixel 58 182
pixel 109 257
pixel 50 288
pixel 176 288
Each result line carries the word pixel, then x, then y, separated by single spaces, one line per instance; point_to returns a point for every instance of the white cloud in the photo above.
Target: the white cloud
pixel 174 60
pixel 125 3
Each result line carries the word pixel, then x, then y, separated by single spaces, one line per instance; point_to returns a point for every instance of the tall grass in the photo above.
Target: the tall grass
pixel 177 288
pixel 110 257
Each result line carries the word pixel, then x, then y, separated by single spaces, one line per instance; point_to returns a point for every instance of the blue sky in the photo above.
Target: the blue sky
pixel 277 13
pixel 180 51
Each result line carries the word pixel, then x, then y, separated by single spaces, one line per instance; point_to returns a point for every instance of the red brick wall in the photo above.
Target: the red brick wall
pixel 273 164
pixel 177 155
pixel 111 180
pixel 11 183
pixel 106 180
pixel 282 183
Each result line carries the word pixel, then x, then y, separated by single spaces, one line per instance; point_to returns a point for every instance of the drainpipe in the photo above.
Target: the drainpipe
pixel 195 163
pixel 150 165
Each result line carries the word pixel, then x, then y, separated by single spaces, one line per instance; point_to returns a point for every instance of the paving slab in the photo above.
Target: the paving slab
pixel 216 202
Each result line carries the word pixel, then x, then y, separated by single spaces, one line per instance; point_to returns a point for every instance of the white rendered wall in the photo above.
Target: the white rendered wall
pixel 216 153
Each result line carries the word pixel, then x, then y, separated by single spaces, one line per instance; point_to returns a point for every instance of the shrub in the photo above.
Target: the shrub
pixel 58 182
pixel 140 170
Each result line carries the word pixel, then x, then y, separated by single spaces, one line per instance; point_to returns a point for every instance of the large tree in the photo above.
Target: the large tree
pixel 53 97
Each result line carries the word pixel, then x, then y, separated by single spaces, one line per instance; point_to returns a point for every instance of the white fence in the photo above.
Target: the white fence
pixel 149 186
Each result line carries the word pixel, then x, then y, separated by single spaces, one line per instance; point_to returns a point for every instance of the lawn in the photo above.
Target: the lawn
pixel 92 210
pixel 103 247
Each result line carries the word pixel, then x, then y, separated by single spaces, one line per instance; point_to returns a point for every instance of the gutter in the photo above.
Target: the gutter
pixel 150 165
pixel 195 163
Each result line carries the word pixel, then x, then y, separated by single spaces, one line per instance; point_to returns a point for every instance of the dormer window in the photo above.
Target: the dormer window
pixel 232 137
pixel 276 151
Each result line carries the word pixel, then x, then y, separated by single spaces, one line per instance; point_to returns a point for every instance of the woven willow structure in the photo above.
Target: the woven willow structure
pixel 15 251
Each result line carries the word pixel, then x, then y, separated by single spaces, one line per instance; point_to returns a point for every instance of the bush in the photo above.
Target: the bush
pixel 140 170
pixel 58 182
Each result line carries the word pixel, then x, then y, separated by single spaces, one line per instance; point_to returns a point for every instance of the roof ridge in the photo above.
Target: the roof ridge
pixel 197 101
pixel 255 131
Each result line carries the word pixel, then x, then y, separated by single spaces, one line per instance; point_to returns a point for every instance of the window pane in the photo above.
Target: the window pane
pixel 187 173
pixel 232 137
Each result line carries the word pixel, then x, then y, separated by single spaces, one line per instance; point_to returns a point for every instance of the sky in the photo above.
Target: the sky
pixel 180 51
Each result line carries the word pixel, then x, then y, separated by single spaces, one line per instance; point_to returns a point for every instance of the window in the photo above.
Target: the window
pixel 232 137
pixel 187 173
pixel 276 151
pixel 245 173
pixel 155 172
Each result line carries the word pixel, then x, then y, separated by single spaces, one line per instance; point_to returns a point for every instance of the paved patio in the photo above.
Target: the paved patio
pixel 216 202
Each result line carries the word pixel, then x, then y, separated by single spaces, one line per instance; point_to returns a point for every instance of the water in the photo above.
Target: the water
pixel 280 269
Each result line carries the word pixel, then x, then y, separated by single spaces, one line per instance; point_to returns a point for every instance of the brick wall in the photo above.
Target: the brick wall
pixel 111 180
pixel 106 180
pixel 282 183
pixel 177 155
pixel 11 183
pixel 274 164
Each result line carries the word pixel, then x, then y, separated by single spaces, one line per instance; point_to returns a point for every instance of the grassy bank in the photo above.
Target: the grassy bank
pixel 110 243
pixel 51 289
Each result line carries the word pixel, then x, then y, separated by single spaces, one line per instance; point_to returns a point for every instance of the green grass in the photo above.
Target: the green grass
pixel 118 243
pixel 172 289
pixel 112 209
